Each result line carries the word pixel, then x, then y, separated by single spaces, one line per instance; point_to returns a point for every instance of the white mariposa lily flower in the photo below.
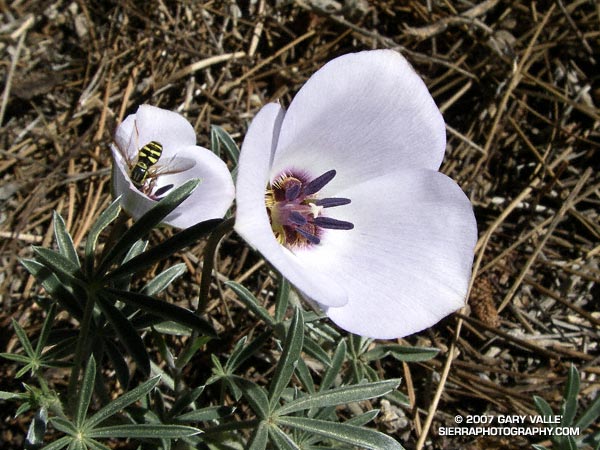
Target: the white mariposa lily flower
pixel 342 194
pixel 151 131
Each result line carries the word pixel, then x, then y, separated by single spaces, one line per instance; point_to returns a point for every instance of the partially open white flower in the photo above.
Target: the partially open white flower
pixel 342 195
pixel 154 131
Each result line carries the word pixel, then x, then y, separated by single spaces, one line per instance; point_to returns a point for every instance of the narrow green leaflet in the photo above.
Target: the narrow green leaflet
pixel 339 396
pixel 164 310
pixel 282 299
pixel 251 302
pixel 54 286
pixel 256 396
pixel 164 279
pixel 60 443
pixel 85 394
pixel 59 264
pixel 63 425
pixel 63 239
pixel 208 413
pixel 542 406
pixel 127 334
pixel 590 415
pixel 242 352
pixel 401 353
pixel 118 362
pixel 282 441
pixel 571 392
pixel 289 357
pixel 121 403
pixel 350 434
pixel 339 356
pixel 260 437
pixel 148 221
pixel 165 249
pixel 363 419
pixel 105 219
pixel 46 328
pixel 221 136
pixel 95 445
pixel 144 431
pixel 23 339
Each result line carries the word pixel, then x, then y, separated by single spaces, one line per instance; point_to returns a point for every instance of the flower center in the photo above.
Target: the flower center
pixel 296 211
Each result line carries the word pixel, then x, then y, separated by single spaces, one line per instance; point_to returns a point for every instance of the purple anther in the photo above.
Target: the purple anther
pixel 292 191
pixel 297 219
pixel 332 201
pixel 308 236
pixel 333 224
pixel 318 183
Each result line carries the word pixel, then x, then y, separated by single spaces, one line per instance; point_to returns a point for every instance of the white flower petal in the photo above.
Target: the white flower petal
pixel 212 197
pixel 252 220
pixel 150 123
pixel 363 114
pixel 407 262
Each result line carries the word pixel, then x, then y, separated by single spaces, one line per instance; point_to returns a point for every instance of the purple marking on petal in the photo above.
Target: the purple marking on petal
pixel 296 218
pixel 160 191
pixel 309 237
pixel 292 192
pixel 332 201
pixel 318 183
pixel 333 224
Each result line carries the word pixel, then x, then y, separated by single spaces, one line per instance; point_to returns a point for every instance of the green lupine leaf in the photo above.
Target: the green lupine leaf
pixel 23 339
pixel 242 352
pixel 316 351
pixel 289 357
pixel 164 279
pixel 144 431
pixel 172 328
pixel 363 419
pixel 121 403
pixel 282 441
pixel 163 309
pixel 136 249
pixel 303 374
pixel 256 396
pixel 54 286
pixel 208 413
pixel 4 395
pixel 571 392
pixel 231 148
pixel 127 334
pixel 251 302
pixel 63 239
pixel 46 328
pixel 76 444
pixel 58 263
pixel 190 350
pixel 63 425
pixel 340 395
pixel 105 219
pixel 590 415
pixel 542 406
pixel 259 438
pixel 350 434
pixel 185 399
pixel 118 362
pixel 215 143
pixel 95 445
pixel 57 445
pixel 339 356
pixel 164 376
pixel 16 357
pixel 282 299
pixel 401 353
pixel 165 249
pixel 85 394
pixel 147 222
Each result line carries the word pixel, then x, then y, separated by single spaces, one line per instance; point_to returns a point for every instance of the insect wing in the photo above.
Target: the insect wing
pixel 171 166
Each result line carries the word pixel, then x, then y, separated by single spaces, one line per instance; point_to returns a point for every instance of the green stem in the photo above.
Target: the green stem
pixel 82 346
pixel 209 259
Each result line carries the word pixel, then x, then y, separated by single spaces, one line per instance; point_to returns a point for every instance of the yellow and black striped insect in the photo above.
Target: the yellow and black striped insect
pixel 148 165
pixel 148 155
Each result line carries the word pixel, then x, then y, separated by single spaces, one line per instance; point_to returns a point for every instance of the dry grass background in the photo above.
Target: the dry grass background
pixel 518 84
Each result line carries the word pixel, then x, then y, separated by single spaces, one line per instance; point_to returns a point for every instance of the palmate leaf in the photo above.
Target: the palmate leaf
pixel 163 309
pixel 63 239
pixel 85 394
pixel 289 357
pixel 147 222
pixel 341 395
pixel 63 267
pixel 255 394
pixel 350 434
